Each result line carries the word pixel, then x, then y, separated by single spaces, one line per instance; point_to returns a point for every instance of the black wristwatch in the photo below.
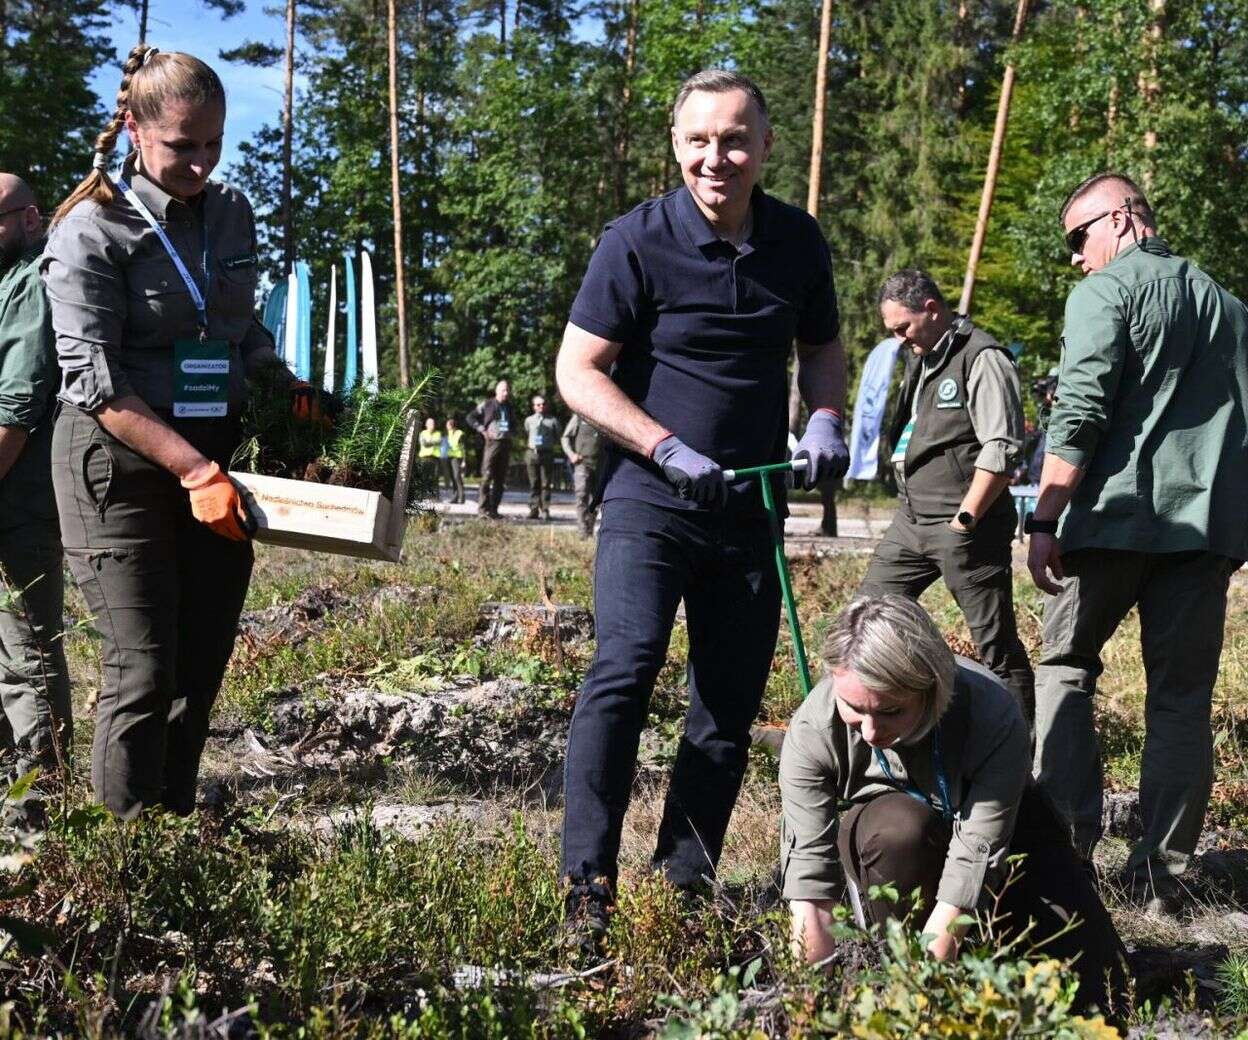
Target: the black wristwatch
pixel 966 519
pixel 1033 526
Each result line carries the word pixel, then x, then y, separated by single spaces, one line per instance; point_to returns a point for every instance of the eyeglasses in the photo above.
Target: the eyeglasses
pixel 1077 236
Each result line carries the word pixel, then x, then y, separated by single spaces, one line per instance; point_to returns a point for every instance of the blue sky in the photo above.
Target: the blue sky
pixel 255 95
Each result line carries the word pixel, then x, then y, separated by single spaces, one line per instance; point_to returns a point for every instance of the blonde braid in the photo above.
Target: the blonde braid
pixel 97 185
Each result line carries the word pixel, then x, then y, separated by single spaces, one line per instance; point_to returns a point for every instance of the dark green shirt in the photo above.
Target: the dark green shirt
pixel 1152 404
pixel 29 378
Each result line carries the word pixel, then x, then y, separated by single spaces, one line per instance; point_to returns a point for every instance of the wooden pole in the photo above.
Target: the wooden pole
pixel 994 166
pixel 288 136
pixel 821 90
pixel 816 173
pixel 399 293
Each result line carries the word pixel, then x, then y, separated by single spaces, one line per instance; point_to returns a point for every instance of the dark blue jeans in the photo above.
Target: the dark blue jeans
pixel 649 558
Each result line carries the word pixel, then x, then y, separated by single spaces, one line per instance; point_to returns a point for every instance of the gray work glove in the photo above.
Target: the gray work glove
pixel 823 445
pixel 692 474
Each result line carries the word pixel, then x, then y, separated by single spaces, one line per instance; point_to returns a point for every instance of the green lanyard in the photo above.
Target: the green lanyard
pixel 938 765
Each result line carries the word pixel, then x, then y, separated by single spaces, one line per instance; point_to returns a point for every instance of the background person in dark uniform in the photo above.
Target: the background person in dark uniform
pixel 541 433
pixel 35 711
pixel 583 445
pixel 495 420
pixel 677 349
pixel 152 525
pixel 957 434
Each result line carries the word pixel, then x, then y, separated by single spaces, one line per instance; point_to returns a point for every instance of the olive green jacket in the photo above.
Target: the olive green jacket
pixel 29 379
pixel 1152 404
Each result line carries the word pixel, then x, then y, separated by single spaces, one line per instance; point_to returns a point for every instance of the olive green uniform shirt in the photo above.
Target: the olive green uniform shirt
pixel 29 378
pixel 826 767
pixel 1152 404
pixel 120 302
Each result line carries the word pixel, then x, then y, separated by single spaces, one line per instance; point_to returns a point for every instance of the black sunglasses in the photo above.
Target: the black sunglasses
pixel 1077 236
pixel 15 209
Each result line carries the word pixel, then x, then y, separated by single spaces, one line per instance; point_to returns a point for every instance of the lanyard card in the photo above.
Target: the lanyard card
pixel 201 378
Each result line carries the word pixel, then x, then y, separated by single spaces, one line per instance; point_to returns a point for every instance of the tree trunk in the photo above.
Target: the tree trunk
pixel 143 12
pixel 1149 83
pixel 994 166
pixel 288 135
pixel 421 323
pixel 815 181
pixel 502 22
pixel 396 200
pixel 821 91
pixel 623 140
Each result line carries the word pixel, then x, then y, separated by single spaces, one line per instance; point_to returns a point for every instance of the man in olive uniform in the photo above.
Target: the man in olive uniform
pixel 957 434
pixel 1141 504
pixel 541 431
pixel 34 682
pixel 495 420
pixel 582 444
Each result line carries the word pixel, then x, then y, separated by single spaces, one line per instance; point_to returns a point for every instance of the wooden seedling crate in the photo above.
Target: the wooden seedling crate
pixel 348 521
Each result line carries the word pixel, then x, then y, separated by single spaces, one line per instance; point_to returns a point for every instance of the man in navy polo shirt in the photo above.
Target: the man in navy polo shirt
pixel 677 350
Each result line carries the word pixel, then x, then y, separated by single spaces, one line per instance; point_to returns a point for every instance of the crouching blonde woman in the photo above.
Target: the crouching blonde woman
pixel 909 766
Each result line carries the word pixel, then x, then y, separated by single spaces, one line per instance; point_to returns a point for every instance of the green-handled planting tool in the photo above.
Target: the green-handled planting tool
pixel 782 565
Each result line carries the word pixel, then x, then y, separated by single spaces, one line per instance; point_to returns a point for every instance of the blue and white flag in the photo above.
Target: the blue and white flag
pixel 864 437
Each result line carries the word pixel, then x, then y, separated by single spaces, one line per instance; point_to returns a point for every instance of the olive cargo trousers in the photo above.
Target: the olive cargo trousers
pixel 35 710
pixel 977 568
pixel 1182 601
pixel 166 594
pixel 896 839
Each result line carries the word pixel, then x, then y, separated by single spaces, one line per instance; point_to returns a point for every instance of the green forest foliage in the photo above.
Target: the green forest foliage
pixel 527 124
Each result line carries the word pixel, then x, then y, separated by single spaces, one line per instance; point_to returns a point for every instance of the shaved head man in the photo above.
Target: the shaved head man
pixel 1140 505
pixel 1101 217
pixel 35 715
pixel 20 222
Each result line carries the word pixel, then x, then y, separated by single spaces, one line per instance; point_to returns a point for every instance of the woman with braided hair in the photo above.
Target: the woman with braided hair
pixel 152 281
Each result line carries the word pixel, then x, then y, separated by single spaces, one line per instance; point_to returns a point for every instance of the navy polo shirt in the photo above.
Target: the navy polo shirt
pixel 707 332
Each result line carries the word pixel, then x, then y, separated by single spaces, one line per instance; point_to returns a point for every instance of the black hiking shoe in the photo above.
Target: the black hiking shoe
pixel 587 909
pixel 1159 895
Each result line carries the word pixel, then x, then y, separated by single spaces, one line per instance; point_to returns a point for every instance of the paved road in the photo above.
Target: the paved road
pixel 857 534
pixel 803 523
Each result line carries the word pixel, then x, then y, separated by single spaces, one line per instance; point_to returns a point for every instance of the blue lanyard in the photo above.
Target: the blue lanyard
pixel 946 804
pixel 197 297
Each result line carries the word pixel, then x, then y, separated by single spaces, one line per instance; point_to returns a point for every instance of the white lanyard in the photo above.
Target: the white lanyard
pixel 197 297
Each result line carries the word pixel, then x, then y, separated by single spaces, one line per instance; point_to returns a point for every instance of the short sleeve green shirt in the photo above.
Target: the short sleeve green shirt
pixel 29 378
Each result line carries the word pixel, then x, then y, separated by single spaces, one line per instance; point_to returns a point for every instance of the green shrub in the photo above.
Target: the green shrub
pixel 979 995
pixel 378 917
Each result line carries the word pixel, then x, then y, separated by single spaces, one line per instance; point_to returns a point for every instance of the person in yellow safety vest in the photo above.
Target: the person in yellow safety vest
pixel 430 455
pixel 455 460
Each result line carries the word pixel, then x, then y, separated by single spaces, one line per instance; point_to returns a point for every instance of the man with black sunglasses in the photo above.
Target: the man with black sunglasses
pixel 1141 504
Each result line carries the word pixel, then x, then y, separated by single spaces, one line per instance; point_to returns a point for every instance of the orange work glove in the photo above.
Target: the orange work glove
pixel 305 403
pixel 215 502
